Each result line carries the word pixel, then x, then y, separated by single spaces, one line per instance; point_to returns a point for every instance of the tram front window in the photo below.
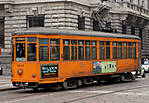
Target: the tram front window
pixel 31 52
pixel 20 51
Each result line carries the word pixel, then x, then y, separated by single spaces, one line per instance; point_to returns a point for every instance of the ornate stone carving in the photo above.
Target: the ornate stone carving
pixel 35 11
pixel 123 17
pixel 9 8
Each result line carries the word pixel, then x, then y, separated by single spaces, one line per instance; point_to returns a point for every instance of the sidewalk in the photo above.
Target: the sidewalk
pixel 5 83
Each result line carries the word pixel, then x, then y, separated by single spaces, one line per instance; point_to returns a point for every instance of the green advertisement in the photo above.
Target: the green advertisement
pixel 104 67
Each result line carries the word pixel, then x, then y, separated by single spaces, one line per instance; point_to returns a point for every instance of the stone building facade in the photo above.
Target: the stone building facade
pixel 122 16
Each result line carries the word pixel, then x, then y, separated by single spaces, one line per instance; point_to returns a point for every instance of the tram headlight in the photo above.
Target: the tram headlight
pixel 20 71
pixel 33 75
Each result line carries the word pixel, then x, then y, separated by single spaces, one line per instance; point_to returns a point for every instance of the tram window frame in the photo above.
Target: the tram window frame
pixel 54 43
pixel 107 43
pixel 134 51
pixel 115 51
pixel 101 50
pixel 31 53
pixel 31 39
pixel 43 56
pixel 20 39
pixel 107 51
pixel 23 57
pixel 74 51
pixel 120 50
pixel 66 53
pixel 81 42
pixel 43 49
pixel 87 50
pixel 74 42
pixel 80 52
pixel 94 49
pixel 125 50
pixel 129 50
pixel 87 42
pixel 43 41
pixel 80 49
pixel 66 49
pixel 64 43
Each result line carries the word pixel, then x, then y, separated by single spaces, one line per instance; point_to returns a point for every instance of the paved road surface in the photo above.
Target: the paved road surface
pixel 129 92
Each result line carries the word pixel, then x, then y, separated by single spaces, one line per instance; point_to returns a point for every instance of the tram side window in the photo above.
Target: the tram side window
pixel 124 50
pixel 31 39
pixel 94 50
pixel 107 50
pixel 54 49
pixel 44 53
pixel 102 49
pixel 73 53
pixel 87 50
pixel 120 50
pixel 31 52
pixel 20 51
pixel 43 41
pixel 74 50
pixel 114 50
pixel 129 50
pixel 66 50
pixel 43 49
pixel 134 50
pixel 81 50
pixel 66 53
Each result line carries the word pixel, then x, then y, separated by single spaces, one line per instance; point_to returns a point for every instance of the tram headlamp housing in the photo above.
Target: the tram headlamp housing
pixel 20 71
pixel 33 75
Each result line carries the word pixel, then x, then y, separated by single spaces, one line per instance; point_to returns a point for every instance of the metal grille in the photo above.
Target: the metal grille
pixel 36 21
pixel 1 32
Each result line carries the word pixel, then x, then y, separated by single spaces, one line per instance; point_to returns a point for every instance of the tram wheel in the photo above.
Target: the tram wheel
pixel 79 83
pixel 35 89
pixel 65 85
pixel 133 77
pixel 122 78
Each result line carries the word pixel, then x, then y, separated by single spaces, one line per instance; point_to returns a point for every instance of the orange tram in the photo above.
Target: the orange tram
pixel 43 57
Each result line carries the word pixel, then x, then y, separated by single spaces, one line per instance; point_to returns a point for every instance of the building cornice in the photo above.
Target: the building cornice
pixel 6 1
pixel 43 1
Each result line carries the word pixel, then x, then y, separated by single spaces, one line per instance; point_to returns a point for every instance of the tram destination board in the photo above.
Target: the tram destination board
pixel 49 70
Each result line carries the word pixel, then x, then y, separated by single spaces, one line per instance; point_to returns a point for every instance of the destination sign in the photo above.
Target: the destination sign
pixel 20 39
pixel 49 70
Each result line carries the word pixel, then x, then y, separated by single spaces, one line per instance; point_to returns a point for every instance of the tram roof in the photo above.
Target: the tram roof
pixel 47 31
